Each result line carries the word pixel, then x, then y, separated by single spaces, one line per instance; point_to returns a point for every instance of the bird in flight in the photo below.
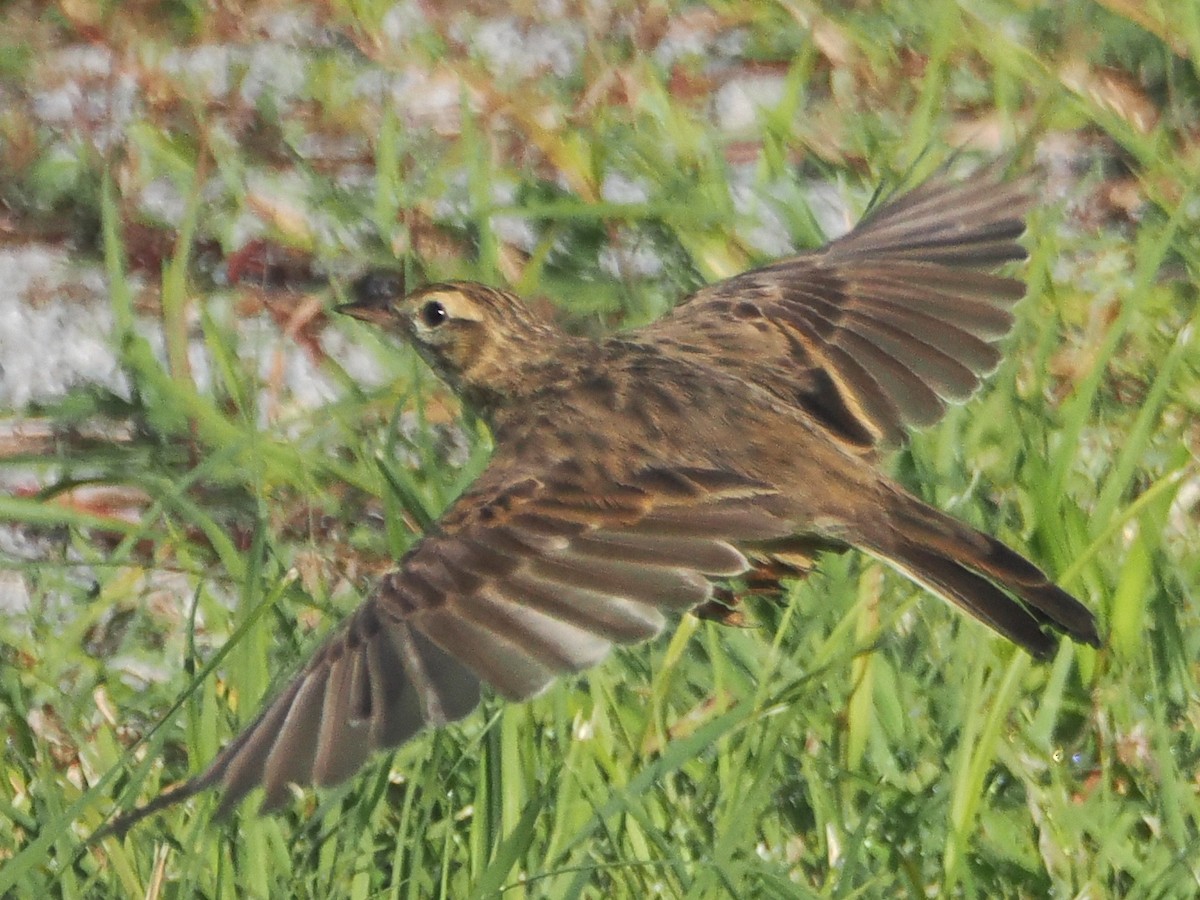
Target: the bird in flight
pixel 634 475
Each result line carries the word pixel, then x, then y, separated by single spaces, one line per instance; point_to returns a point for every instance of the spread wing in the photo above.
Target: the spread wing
pixel 878 329
pixel 525 578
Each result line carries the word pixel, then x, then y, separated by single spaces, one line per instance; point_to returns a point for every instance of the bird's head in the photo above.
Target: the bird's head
pixel 483 342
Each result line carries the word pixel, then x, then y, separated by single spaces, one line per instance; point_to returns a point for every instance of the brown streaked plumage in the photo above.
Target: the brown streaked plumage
pixel 738 433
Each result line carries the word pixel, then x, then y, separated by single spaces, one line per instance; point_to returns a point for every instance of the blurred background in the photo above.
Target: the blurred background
pixel 201 469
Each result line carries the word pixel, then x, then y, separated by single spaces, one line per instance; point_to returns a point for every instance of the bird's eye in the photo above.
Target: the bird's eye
pixel 434 313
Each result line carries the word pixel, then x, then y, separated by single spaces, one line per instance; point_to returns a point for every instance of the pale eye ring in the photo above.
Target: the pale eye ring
pixel 433 313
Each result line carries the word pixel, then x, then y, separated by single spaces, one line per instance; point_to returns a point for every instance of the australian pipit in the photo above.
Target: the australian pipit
pixel 739 432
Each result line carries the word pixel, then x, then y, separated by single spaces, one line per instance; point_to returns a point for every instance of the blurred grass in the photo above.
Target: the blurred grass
pixel 858 741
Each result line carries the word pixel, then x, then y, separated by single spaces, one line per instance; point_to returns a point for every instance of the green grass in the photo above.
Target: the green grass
pixel 860 740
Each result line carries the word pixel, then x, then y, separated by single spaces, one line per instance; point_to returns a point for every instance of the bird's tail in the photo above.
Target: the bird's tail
pixel 980 574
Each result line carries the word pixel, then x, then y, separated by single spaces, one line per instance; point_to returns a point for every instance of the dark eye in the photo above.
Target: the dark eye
pixel 434 313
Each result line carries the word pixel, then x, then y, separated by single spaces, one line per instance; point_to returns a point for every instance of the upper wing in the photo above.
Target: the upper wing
pixel 525 578
pixel 880 327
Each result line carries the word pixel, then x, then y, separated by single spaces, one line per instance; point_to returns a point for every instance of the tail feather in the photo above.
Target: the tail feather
pixel 982 576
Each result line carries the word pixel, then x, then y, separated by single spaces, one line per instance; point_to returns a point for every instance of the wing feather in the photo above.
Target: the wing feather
pixel 526 578
pixel 879 329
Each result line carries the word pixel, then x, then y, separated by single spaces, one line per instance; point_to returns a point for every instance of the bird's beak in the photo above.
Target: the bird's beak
pixel 373 294
pixel 364 312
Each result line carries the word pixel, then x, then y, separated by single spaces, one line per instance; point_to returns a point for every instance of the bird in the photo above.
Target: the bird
pixel 635 474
